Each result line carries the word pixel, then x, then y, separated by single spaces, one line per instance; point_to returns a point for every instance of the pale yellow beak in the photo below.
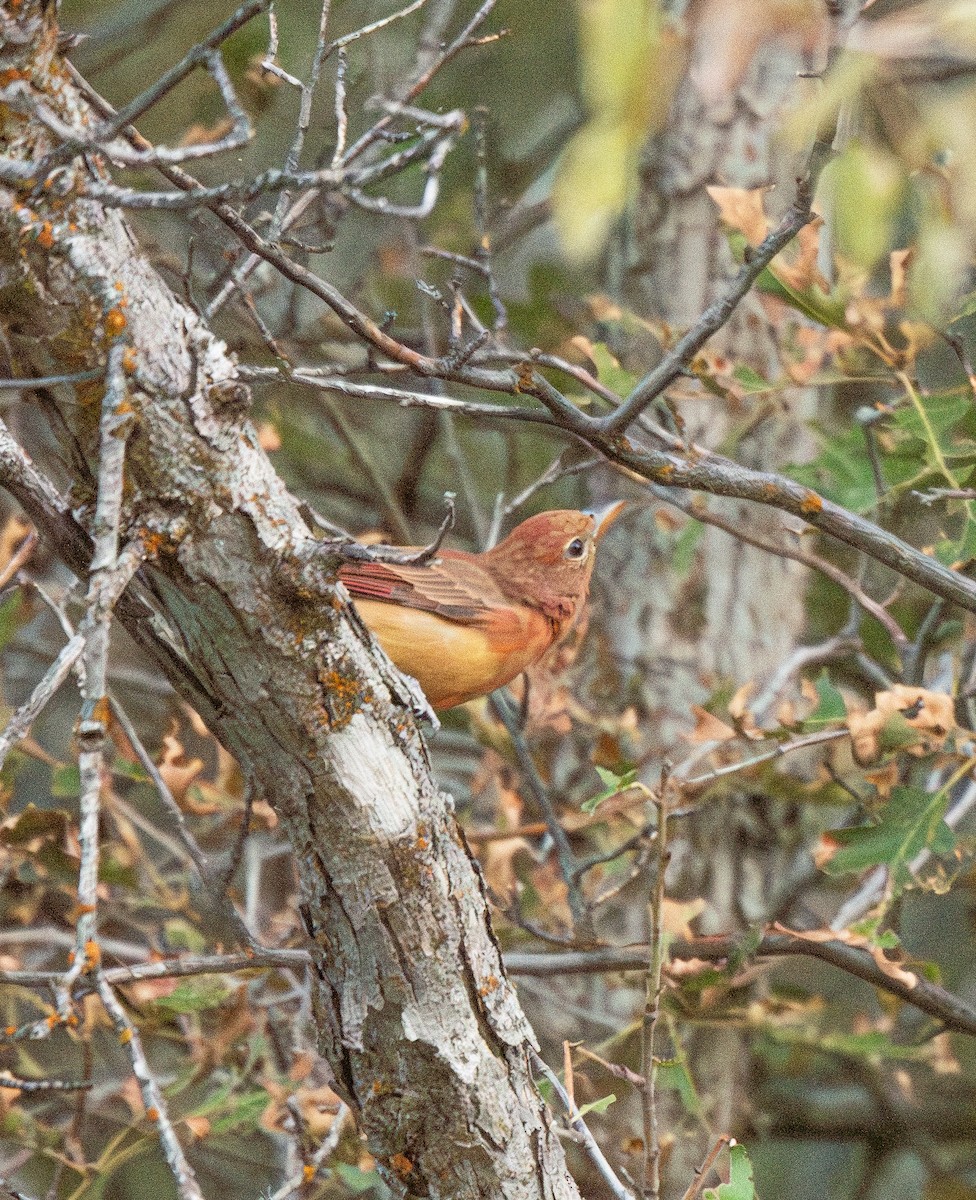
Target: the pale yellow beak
pixel 604 517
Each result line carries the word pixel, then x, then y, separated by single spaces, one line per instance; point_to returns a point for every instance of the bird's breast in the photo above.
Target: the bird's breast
pixel 454 661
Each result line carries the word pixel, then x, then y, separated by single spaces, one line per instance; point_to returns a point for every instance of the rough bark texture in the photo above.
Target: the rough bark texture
pixel 425 1035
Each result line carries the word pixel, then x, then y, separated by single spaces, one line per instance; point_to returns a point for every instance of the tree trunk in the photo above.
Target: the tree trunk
pixel 423 1032
pixel 738 612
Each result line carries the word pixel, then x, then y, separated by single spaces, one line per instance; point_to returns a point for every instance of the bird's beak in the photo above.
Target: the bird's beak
pixel 604 517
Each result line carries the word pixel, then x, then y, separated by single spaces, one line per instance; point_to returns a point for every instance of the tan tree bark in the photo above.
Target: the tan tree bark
pixel 737 613
pixel 424 1034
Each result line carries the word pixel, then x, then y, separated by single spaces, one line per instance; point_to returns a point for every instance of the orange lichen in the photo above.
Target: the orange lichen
pixel 490 985
pixel 115 322
pixel 343 697
pixel 152 1114
pixel 401 1164
pixel 811 503
pixel 125 1037
pixel 153 542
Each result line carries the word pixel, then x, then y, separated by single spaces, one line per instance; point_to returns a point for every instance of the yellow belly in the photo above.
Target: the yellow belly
pixel 453 662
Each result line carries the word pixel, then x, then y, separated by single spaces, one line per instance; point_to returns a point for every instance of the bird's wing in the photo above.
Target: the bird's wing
pixel 460 592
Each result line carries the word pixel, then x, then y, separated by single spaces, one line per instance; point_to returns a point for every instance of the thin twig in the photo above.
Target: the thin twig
pixel 187 840
pixel 540 794
pixel 716 315
pixel 327 1146
pixel 108 578
pixel 652 1005
pixel 578 1125
pixel 152 1095
pixel 701 1172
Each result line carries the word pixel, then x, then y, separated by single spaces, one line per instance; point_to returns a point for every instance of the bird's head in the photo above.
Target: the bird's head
pixel 548 560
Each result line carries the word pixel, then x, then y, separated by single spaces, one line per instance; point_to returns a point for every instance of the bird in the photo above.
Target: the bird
pixel 464 624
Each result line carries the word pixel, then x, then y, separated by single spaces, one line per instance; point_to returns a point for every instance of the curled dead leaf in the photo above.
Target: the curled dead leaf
pixel 199 1127
pixel 741 209
pixel 708 728
pixel 931 715
pixel 177 772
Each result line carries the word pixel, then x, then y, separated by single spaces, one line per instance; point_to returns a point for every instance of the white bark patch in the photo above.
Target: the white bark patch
pixel 380 780
pixel 441 1024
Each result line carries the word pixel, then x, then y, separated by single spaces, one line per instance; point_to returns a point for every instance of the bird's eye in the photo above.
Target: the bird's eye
pixel 575 549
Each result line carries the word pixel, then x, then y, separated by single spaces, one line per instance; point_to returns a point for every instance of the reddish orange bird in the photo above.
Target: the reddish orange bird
pixel 465 624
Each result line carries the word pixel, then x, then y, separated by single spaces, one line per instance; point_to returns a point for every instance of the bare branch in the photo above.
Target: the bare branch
pixel 717 315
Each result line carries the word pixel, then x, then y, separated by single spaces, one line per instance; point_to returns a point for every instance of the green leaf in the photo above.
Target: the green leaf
pixel 822 307
pixel 356 1180
pixel 66 782
pixel 830 705
pixel 967 307
pixel 841 471
pixel 244 1110
pixel 610 371
pixel 613 784
pixel 750 380
pixel 686 543
pixel 673 1073
pixel 596 177
pixel 33 823
pixel 597 1106
pixel 869 185
pixel 911 822
pixel 740 1185
pixel 181 935
pixel 10 612
pixel 196 995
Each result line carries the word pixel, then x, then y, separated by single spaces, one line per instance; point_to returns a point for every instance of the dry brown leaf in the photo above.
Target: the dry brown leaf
pixel 677 915
pixel 552 891
pixel 737 705
pixel 176 771
pixel 740 712
pixel 146 991
pixel 742 209
pixel 708 728
pixel 131 1093
pixel 199 1127
pixel 884 778
pixel 12 533
pixel 269 439
pixel 900 260
pixel 930 714
pixel 199 135
pixel 318 1107
pixel 803 273
pixel 498 864
pixel 892 969
pixel 301 1067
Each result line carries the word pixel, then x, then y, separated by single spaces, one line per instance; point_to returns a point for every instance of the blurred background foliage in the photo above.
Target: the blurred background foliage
pixel 850 1094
